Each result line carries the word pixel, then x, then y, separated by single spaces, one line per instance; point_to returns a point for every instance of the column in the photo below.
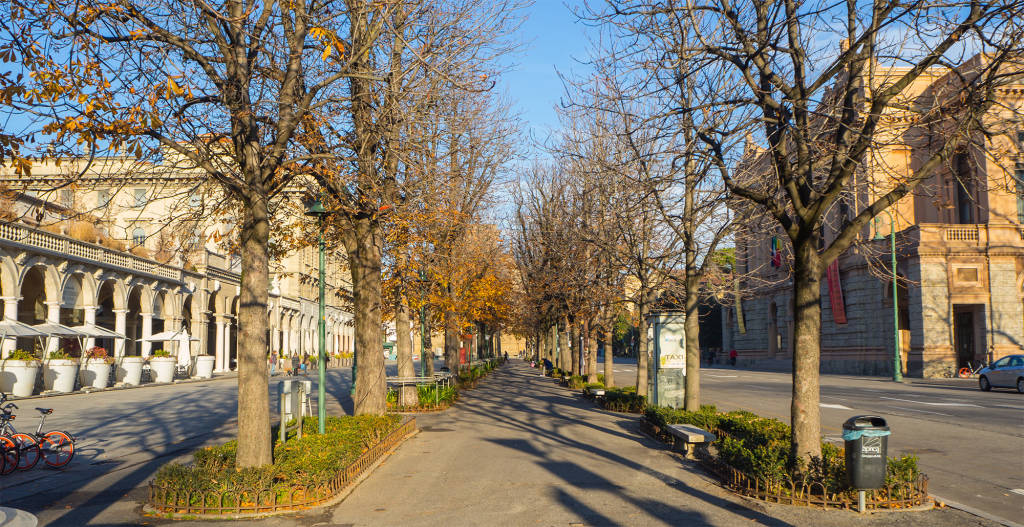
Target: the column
pixel 199 329
pixel 120 326
pixel 10 313
pixel 147 331
pixel 172 324
pixel 219 350
pixel 227 344
pixel 52 315
pixel 90 319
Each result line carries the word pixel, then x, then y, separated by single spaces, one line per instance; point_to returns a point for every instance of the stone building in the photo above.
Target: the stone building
pixel 960 261
pixel 139 248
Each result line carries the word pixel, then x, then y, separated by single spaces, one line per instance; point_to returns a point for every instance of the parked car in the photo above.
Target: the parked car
pixel 1007 372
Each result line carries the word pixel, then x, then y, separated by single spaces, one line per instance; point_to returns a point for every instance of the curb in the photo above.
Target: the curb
pixel 979 513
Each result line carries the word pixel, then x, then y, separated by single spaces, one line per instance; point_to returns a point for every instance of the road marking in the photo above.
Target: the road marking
pixel 930 404
pixel 922 411
pixel 836 406
pixel 1017 491
pixel 1010 406
pixel 721 376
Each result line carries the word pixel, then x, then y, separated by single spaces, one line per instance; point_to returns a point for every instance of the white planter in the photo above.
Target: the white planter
pixel 129 370
pixel 95 373
pixel 163 368
pixel 18 377
pixel 59 375
pixel 204 367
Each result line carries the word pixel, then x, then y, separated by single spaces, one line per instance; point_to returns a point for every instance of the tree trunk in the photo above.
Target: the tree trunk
pixel 574 348
pixel 642 362
pixel 254 442
pixel 403 333
pixel 591 353
pixel 609 353
pixel 805 415
pixel 364 247
pixel 427 353
pixel 451 342
pixel 564 352
pixel 691 396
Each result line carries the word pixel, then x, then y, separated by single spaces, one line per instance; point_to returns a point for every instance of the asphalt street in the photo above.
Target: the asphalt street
pixel 969 442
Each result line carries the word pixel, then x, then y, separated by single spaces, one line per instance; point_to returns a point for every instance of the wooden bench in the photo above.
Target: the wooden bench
pixel 688 437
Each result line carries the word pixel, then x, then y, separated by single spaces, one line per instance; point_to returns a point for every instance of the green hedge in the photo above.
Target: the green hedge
pixel 313 460
pixel 759 446
pixel 623 400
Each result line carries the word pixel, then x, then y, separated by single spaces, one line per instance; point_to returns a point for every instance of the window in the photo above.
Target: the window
pixel 139 236
pixel 66 197
pixel 140 197
pixel 1001 363
pixel 965 191
pixel 1019 177
pixel 102 198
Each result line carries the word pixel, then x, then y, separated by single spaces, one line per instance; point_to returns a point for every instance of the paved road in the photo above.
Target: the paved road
pixel 970 443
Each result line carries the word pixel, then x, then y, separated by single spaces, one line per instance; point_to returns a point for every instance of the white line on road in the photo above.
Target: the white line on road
pixel 1018 491
pixel 930 404
pixel 922 411
pixel 1010 406
pixel 836 406
pixel 721 376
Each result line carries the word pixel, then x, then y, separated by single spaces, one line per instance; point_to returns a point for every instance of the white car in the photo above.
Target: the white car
pixel 1007 372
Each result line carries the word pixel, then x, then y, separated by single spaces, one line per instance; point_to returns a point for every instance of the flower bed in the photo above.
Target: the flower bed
pixel 752 456
pixel 306 472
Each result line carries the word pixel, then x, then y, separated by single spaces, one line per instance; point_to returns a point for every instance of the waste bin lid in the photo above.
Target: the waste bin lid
pixel 865 422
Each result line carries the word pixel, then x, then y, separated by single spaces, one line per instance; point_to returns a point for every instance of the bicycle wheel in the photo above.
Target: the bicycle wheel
pixel 28 449
pixel 58 449
pixel 964 373
pixel 9 461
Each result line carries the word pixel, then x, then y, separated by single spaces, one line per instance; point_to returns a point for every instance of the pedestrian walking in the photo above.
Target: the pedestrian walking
pixel 273 363
pixel 295 364
pixel 305 363
pixel 732 357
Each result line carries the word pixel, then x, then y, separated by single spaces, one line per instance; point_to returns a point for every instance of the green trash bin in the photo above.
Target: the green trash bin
pixel 866 438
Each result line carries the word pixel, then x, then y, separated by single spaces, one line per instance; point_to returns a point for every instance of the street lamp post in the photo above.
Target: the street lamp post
pixel 317 209
pixel 897 364
pixel 423 329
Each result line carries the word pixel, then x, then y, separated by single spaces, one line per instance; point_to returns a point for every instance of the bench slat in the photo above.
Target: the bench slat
pixel 690 434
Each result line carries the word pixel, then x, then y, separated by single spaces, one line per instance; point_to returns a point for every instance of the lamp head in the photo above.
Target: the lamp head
pixel 316 208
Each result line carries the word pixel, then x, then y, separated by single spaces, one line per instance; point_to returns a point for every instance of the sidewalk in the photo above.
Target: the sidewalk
pixel 520 450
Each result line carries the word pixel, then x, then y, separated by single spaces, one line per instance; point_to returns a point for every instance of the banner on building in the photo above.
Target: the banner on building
pixel 835 293
pixel 739 310
pixel 775 253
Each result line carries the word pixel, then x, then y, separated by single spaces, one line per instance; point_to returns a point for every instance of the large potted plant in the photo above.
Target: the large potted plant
pixel 18 373
pixel 204 367
pixel 95 370
pixel 60 371
pixel 129 370
pixel 162 364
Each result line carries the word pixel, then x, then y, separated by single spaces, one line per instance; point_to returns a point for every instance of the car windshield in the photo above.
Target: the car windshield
pixel 1001 363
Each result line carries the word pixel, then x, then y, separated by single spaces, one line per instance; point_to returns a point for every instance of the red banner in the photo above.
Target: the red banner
pixel 835 293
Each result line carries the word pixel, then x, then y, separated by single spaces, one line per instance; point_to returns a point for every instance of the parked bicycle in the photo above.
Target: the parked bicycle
pixel 55 448
pixel 970 370
pixel 8 456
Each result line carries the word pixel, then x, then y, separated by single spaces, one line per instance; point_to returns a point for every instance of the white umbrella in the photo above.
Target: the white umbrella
pixel 14 329
pixel 98 332
pixel 53 329
pixel 184 350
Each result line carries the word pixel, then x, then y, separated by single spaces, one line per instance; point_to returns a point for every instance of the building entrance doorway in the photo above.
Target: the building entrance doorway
pixel 967 328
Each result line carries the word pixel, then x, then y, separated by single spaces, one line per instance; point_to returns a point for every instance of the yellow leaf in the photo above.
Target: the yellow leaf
pixel 174 87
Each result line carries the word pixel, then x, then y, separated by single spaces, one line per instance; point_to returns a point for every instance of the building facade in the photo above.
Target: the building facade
pixel 140 249
pixel 960 263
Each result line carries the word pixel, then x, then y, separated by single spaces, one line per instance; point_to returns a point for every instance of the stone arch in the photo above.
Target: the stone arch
pixel 9 275
pixel 139 305
pixel 51 283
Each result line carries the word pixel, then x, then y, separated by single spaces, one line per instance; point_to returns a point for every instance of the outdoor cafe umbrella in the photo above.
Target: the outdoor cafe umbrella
pixel 53 329
pixel 12 329
pixel 181 337
pixel 97 332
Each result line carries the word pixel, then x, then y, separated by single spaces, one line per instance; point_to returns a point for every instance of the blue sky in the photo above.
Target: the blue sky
pixel 552 38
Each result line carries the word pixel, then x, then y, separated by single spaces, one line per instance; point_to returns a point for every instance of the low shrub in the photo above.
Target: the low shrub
pixel 600 378
pixel 594 386
pixel 20 354
pixel 311 461
pixel 576 382
pixel 429 397
pixel 759 446
pixel 623 400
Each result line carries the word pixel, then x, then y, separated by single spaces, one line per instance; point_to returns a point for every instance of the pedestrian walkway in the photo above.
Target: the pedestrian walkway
pixel 523 451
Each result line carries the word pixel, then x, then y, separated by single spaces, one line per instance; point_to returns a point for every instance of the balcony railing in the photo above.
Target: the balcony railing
pixel 962 234
pixel 87 251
